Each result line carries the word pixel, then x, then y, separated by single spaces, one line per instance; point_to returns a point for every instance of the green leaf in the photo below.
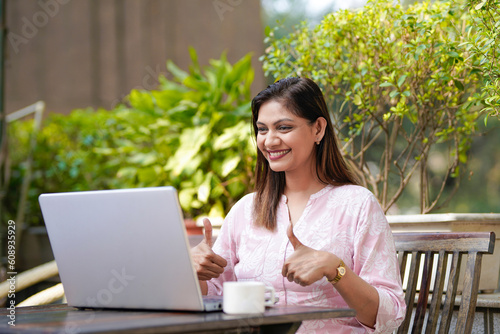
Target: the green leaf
pixel 357 100
pixel 462 157
pixel 196 84
pixel 480 5
pixel 186 197
pixel 401 80
pixel 204 190
pixel 394 93
pixel 419 50
pixel 195 66
pixel 149 176
pixel 236 188
pixel 187 156
pixel 167 99
pixel 141 100
pixel 103 150
pixel 459 84
pixel 143 159
pixel 217 210
pixel 179 74
pixel 386 84
pixel 126 172
pixel 230 164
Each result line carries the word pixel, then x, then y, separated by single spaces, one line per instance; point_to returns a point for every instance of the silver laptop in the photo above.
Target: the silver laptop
pixel 123 248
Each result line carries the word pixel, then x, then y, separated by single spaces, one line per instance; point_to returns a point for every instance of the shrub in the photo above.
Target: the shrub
pixel 398 85
pixel 482 39
pixel 193 133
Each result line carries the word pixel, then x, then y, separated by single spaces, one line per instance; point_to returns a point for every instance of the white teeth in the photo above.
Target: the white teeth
pixel 277 154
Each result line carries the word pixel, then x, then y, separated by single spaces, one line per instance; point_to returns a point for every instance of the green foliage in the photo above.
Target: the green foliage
pixel 193 133
pixel 397 82
pixel 483 42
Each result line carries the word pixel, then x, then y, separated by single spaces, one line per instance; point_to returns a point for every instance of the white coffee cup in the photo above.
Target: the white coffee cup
pixel 246 297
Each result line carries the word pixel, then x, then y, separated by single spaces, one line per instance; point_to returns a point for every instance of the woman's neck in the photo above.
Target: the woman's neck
pixel 298 191
pixel 302 185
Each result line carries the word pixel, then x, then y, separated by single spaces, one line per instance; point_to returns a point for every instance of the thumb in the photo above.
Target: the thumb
pixel 293 239
pixel 208 232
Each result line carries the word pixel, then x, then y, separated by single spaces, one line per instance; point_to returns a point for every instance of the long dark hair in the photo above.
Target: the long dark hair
pixel 303 98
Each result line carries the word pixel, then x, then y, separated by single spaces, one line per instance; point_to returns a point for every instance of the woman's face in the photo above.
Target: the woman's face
pixel 287 141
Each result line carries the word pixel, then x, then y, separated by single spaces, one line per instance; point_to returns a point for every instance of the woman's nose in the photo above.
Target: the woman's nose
pixel 272 139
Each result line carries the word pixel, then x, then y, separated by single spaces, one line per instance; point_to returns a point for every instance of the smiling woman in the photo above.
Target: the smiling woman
pixel 315 155
pixel 308 231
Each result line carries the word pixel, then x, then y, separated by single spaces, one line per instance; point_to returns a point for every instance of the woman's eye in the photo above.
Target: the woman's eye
pixel 284 128
pixel 261 130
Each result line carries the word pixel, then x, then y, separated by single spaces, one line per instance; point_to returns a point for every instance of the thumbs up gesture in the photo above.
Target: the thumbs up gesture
pixel 207 264
pixel 306 265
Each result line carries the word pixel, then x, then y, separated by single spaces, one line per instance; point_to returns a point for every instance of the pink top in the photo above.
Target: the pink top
pixel 346 221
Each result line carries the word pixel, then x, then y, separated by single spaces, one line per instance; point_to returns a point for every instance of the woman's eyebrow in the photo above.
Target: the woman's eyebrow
pixel 278 121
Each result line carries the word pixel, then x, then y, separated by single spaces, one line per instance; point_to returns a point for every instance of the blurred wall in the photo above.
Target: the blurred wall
pixel 79 53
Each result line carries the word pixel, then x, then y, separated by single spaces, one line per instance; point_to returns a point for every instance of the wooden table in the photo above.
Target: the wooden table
pixel 61 318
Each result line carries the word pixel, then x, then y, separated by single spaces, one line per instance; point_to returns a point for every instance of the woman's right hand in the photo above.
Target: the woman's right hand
pixel 208 265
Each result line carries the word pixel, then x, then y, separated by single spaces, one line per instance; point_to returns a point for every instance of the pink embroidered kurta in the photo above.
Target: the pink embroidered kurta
pixel 346 221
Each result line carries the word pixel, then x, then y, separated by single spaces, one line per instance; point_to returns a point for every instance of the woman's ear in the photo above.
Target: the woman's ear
pixel 320 128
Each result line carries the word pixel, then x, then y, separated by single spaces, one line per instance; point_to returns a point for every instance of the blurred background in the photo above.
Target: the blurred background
pixel 84 53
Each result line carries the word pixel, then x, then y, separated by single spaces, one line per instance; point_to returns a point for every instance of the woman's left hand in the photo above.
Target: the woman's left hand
pixel 306 265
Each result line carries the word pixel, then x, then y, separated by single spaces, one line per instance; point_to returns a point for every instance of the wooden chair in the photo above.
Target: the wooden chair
pixel 439 248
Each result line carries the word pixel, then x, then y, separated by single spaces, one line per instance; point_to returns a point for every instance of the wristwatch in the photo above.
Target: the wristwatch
pixel 340 273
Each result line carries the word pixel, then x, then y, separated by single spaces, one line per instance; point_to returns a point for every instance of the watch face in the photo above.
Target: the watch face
pixel 341 271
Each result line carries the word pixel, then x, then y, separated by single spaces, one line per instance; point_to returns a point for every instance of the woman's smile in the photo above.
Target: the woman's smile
pixel 275 155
